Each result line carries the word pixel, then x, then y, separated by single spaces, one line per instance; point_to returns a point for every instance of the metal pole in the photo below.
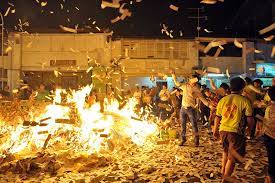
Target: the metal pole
pixel 198 17
pixel 2 51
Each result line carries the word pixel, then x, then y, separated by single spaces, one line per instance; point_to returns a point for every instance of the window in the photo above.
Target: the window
pixel 62 62
pixel 5 73
pixel 155 49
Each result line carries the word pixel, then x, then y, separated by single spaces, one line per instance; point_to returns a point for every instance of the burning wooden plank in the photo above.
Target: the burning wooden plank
pixel 43 132
pixel 163 142
pixel 33 123
pixel 104 135
pixel 45 119
pixel 47 141
pixel 65 121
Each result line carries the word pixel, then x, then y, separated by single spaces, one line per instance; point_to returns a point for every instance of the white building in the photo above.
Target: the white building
pixel 37 58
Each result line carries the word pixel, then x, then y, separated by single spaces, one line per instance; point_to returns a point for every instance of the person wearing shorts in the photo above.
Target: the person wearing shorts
pixel 230 125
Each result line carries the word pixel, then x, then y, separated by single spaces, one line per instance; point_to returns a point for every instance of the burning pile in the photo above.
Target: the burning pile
pixel 74 129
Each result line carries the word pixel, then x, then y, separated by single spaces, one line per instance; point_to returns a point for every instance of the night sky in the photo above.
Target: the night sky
pixel 231 18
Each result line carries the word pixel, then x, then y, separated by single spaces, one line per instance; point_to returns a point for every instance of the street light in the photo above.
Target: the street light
pixel 2 51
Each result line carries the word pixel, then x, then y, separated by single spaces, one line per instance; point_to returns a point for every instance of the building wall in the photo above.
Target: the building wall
pixel 38 49
pixel 142 58
pixel 147 57
pixel 4 77
pixel 130 82
pixel 233 64
pixel 137 59
pixel 43 52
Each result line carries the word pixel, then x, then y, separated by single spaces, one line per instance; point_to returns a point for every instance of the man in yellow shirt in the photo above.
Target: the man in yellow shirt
pixel 229 120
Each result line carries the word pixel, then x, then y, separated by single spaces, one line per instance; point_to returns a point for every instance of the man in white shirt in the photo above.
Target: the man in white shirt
pixel 190 92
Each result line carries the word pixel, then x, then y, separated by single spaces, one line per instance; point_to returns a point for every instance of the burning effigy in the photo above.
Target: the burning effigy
pixel 70 130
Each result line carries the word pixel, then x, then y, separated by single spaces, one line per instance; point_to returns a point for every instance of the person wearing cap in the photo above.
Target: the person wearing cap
pixel 190 92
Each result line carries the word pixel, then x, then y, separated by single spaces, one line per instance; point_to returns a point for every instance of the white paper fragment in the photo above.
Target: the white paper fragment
pixel 29 44
pixel 67 29
pixel 24 87
pixel 55 73
pixel 164 77
pixel 267 29
pixel 89 69
pixel 74 51
pixel 218 52
pixel 171 35
pixel 193 80
pixel 227 73
pixel 213 70
pixel 126 13
pixel 106 4
pixel 269 38
pixel 248 164
pixel 11 4
pixel 173 7
pixel 273 52
pixel 15 91
pixel 8 49
pixel 126 52
pixel 213 44
pixel 98 28
pixel 44 3
pixel 209 1
pixel 208 31
pixel 208 47
pixel 152 78
pixel 257 51
pixel 115 20
pixel 221 47
pixel 121 10
pixel 164 29
pixel 7 12
pixel 237 43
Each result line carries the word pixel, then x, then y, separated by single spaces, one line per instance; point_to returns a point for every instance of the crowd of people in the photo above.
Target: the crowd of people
pixel 230 112
pixel 25 92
